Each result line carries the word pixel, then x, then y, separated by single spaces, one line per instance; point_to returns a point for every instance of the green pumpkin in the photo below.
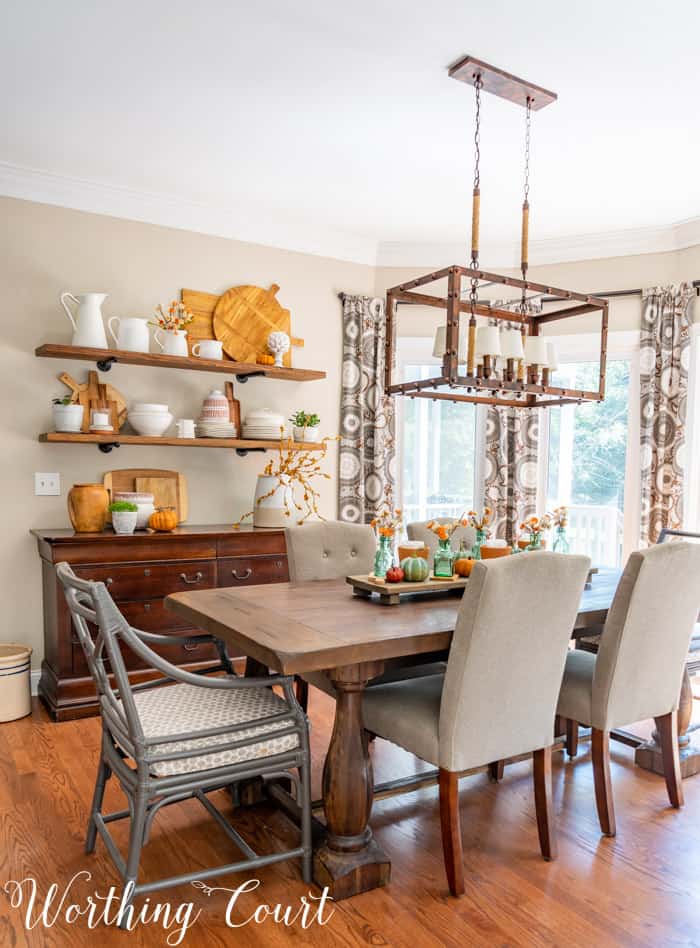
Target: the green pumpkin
pixel 415 569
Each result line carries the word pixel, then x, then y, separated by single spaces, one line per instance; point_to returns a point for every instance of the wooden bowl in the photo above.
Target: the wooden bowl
pixel 494 552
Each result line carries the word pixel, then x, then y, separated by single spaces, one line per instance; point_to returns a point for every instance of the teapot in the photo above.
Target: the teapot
pixel 88 328
pixel 133 334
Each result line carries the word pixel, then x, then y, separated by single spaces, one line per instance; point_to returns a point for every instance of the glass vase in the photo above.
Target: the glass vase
pixel 476 549
pixel 444 561
pixel 535 542
pixel 561 544
pixel 384 557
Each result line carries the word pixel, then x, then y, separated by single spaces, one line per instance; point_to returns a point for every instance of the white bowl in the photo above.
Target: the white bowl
pixel 148 407
pixel 150 424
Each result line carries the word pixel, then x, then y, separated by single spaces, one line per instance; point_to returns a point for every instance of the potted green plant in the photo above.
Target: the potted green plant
pixel 306 426
pixel 124 516
pixel 66 415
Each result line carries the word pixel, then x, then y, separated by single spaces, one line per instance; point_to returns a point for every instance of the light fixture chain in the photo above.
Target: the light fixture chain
pixel 528 123
pixel 477 133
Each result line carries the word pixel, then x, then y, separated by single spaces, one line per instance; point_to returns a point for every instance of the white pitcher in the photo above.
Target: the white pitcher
pixel 172 341
pixel 133 335
pixel 88 328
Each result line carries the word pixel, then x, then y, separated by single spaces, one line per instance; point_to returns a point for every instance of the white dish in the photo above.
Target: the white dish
pixel 148 407
pixel 150 424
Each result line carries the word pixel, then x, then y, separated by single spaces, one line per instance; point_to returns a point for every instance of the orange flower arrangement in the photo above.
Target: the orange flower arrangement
pixel 560 517
pixel 296 469
pixel 481 524
pixel 177 317
pixel 388 522
pixel 444 531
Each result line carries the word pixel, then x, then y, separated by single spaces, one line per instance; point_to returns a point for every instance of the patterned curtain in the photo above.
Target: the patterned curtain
pixel 367 439
pixel 512 441
pixel 663 376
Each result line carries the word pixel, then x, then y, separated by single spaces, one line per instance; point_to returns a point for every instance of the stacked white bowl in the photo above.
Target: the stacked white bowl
pixel 263 424
pixel 149 419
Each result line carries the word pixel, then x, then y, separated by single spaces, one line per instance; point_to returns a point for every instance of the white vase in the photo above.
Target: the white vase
pixel 272 511
pixel 172 341
pixel 68 417
pixel 88 328
pixel 311 435
pixel 124 521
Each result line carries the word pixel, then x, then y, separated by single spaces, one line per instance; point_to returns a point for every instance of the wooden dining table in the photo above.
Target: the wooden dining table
pixel 322 626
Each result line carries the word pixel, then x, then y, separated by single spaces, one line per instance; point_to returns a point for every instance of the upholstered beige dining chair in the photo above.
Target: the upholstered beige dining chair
pixel 333 550
pixel 498 696
pixel 418 530
pixel 637 671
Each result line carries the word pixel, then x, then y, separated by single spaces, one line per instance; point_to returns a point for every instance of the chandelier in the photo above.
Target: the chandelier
pixel 498 355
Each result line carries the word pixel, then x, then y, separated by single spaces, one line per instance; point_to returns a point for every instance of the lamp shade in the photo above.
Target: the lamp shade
pixel 440 344
pixel 552 357
pixel 488 341
pixel 511 344
pixel 536 350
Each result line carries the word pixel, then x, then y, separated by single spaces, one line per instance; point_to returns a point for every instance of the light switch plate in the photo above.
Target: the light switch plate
pixel 47 485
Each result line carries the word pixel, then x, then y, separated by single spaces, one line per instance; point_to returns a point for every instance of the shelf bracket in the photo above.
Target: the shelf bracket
pixel 251 375
pixel 104 365
pixel 106 447
pixel 242 452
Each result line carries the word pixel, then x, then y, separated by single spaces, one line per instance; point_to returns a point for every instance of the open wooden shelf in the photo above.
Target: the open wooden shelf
pixel 105 358
pixel 110 440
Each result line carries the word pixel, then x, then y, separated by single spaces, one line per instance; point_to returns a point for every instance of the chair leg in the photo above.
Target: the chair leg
pixel 542 780
pixel 667 729
pixel 496 769
pixel 305 804
pixel 451 831
pixel 136 838
pixel 600 750
pixel 103 774
pixel 302 693
pixel 571 737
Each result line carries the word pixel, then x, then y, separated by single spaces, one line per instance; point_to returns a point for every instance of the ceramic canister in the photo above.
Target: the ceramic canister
pixel 215 407
pixel 87 507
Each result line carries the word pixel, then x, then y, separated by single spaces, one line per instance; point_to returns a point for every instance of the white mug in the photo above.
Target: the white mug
pixel 99 418
pixel 208 349
pixel 185 428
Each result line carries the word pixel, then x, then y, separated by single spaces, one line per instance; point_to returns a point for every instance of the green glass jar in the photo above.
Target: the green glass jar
pixel 444 561
pixel 561 544
pixel 384 557
pixel 535 541
pixel 476 549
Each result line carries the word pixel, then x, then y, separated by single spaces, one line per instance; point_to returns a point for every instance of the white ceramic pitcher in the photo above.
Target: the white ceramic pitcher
pixel 172 341
pixel 88 328
pixel 132 334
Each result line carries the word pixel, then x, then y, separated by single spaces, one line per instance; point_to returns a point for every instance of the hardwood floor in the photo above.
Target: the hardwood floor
pixel 639 888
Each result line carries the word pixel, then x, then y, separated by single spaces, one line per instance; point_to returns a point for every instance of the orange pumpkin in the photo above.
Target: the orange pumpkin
pixel 264 359
pixel 164 519
pixel 463 566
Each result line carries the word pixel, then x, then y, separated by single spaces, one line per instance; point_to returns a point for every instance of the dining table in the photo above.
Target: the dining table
pixel 327 626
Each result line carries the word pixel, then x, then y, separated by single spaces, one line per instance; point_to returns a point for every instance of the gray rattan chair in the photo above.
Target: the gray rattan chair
pixel 168 744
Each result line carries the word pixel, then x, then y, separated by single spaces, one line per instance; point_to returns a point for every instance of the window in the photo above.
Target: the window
pixel 437 444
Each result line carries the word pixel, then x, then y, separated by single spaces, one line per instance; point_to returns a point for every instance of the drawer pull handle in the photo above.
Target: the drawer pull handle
pixel 109 581
pixel 190 646
pixel 198 577
pixel 147 572
pixel 146 607
pixel 278 564
pixel 248 573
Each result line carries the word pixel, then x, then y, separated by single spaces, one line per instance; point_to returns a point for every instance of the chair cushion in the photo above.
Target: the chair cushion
pixel 406 713
pixel 182 708
pixel 575 697
pixel 321 680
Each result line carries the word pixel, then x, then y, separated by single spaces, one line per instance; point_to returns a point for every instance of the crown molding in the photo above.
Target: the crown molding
pixel 257 225
pixel 248 223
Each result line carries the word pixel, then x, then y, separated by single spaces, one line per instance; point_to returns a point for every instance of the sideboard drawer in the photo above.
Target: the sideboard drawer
pixel 250 570
pixel 177 653
pixel 152 580
pixel 251 544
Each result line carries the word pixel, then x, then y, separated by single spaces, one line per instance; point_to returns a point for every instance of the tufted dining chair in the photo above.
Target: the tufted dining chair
pixel 333 550
pixel 180 742
pixel 636 673
pixel 418 530
pixel 497 698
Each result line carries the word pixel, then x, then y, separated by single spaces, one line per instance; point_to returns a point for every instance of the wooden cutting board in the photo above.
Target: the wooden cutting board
pixel 169 488
pixel 203 307
pixel 390 593
pixel 95 391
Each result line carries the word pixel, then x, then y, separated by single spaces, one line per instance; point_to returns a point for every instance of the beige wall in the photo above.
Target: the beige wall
pixel 586 276
pixel 45 250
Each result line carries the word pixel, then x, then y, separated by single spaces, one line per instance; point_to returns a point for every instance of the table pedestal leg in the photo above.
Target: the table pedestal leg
pixel 350 860
pixel 648 755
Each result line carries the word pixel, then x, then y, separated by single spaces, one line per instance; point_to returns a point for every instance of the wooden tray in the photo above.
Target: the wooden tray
pixel 169 488
pixel 390 593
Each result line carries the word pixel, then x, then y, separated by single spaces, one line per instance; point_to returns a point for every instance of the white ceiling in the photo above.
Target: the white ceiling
pixel 332 126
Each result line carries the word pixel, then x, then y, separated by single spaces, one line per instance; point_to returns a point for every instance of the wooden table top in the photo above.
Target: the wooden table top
pixel 307 627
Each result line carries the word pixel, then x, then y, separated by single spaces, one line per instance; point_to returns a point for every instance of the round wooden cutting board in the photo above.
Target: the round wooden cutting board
pixel 245 316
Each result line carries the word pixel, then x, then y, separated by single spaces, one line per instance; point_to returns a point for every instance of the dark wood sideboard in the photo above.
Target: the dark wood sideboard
pixel 140 570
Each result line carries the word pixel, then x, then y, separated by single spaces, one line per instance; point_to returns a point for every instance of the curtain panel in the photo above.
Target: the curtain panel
pixel 512 452
pixel 663 376
pixel 367 435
